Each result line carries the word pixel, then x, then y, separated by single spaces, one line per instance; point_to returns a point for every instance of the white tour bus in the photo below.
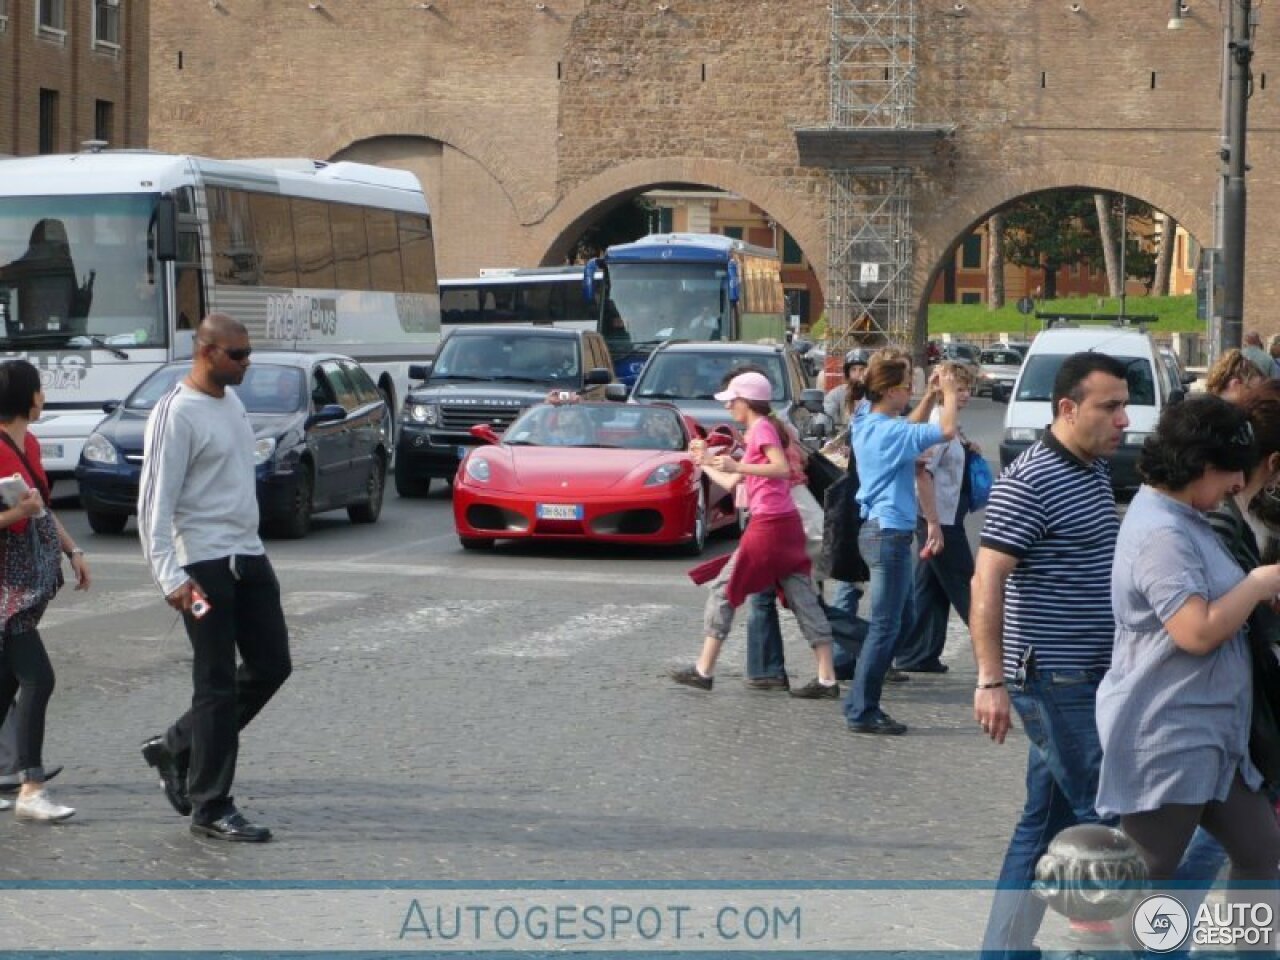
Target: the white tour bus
pixel 109 259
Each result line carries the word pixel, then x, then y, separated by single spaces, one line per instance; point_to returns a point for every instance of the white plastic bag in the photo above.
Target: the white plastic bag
pixel 812 518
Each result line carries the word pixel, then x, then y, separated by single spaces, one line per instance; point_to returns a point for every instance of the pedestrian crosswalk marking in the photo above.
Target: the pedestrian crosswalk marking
pixel 581 631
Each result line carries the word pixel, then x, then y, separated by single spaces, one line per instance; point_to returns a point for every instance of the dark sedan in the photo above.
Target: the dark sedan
pixel 323 439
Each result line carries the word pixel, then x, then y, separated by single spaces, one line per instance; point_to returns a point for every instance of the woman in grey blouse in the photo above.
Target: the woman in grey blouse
pixel 1173 711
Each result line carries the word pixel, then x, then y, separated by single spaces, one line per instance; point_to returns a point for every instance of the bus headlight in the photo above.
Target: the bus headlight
pixel 98 449
pixel 263 448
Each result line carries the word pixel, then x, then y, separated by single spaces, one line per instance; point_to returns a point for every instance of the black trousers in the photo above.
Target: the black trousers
pixel 24 665
pixel 244 616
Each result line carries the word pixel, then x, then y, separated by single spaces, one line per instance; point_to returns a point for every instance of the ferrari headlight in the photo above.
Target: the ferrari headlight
pixel 428 413
pixel 663 474
pixel 477 469
pixel 263 448
pixel 98 449
pixel 1021 434
pixel 1135 439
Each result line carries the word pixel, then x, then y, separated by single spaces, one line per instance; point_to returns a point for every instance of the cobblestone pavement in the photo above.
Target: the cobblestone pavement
pixel 503 716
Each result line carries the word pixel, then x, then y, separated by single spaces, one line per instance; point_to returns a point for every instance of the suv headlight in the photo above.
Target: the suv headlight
pixel 98 449
pixel 663 474
pixel 263 448
pixel 418 412
pixel 1021 435
pixel 1135 439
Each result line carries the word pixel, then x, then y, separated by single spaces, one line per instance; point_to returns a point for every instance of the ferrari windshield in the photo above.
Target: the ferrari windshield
pixel 615 426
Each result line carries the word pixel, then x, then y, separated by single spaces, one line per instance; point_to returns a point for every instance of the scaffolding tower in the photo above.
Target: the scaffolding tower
pixel 869 250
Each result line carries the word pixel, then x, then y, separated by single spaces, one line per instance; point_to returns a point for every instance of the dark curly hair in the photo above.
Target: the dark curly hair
pixel 1200 432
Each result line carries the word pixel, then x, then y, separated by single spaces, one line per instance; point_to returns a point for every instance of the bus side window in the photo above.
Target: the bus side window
pixel 384 250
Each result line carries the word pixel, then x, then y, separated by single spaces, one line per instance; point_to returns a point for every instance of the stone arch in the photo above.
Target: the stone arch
pixel 960 214
pixel 798 213
pixel 529 201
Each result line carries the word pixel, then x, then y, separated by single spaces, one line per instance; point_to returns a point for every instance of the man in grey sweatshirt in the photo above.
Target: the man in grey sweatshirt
pixel 198 520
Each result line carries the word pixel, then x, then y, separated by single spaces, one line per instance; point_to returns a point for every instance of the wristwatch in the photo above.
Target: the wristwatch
pixel 74 552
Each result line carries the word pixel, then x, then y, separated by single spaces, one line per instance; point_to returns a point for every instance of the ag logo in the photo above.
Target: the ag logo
pixel 1161 923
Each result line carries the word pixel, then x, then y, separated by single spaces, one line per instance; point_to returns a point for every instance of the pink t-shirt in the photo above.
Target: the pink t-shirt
pixel 766 496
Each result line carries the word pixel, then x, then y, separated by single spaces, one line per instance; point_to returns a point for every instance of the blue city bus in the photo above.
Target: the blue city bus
pixel 685 286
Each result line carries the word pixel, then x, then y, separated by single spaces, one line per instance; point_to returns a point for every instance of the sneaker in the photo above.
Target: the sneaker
pixel 768 683
pixel 884 725
pixel 816 690
pixel 40 806
pixel 896 676
pixel 690 677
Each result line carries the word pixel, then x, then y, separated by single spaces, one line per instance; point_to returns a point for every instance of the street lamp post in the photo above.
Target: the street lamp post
pixel 1239 52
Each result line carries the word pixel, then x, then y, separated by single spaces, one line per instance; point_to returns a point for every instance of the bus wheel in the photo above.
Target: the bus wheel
pixel 106 522
pixel 408 485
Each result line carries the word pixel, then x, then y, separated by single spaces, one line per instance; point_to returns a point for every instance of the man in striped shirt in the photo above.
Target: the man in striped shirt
pixel 1042 625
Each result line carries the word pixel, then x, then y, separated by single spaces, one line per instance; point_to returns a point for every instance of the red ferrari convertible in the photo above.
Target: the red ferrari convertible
pixel 612 472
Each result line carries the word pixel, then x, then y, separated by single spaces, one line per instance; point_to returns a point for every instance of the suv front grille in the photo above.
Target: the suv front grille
pixel 462 417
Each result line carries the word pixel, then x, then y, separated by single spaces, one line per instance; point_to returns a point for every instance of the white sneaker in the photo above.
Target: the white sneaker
pixel 40 806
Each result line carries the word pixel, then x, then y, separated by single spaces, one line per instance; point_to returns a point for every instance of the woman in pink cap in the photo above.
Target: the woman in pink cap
pixel 771 554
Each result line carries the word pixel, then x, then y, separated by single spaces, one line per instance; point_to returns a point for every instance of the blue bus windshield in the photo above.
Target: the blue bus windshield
pixel 651 302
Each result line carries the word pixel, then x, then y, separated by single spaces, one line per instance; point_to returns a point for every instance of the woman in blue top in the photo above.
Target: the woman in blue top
pixel 886 448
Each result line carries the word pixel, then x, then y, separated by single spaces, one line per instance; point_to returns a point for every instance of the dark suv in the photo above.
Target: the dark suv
pixel 488 374
pixel 688 374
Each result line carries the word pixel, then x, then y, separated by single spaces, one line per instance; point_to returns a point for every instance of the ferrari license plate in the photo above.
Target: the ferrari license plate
pixel 559 511
pixel 50 451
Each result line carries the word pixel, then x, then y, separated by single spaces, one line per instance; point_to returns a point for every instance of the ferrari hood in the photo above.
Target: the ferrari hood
pixel 572 472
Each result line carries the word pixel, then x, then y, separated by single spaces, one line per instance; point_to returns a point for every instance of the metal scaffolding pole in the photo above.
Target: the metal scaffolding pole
pixel 872 86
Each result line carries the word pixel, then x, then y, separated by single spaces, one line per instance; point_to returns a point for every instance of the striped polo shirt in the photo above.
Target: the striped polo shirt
pixel 1057 515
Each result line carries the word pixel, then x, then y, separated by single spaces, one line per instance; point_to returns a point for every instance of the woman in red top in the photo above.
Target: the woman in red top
pixel 772 551
pixel 30 574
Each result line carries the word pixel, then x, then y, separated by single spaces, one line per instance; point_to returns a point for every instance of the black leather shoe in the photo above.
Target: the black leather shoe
pixel 9 782
pixel 884 725
pixel 894 675
pixel 233 827
pixel 172 777
pixel 768 683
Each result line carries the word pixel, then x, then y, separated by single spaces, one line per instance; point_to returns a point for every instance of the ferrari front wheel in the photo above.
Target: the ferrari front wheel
pixel 698 541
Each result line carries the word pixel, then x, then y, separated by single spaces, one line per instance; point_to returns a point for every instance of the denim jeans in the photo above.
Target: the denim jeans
pixel 765 659
pixel 844 605
pixel 1057 712
pixel 941 582
pixel 888 557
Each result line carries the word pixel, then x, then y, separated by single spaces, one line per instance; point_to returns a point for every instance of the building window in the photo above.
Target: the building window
pixel 4 15
pixel 48 121
pixel 666 217
pixel 51 17
pixel 106 24
pixel 103 120
pixel 970 296
pixel 971 253
pixel 734 232
pixel 791 252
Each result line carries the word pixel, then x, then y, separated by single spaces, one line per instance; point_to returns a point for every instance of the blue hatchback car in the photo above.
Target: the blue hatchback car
pixel 323 442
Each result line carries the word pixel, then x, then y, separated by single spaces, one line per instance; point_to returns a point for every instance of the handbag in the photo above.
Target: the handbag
pixel 978 479
pixel 1264 724
pixel 821 474
pixel 840 558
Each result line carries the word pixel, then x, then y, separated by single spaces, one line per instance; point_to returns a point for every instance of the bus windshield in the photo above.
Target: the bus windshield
pixel 651 302
pixel 75 273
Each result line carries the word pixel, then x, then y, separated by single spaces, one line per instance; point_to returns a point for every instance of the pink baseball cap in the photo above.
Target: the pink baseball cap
pixel 747 386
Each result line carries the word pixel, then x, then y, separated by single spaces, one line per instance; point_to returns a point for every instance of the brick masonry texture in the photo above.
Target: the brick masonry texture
pixel 525 124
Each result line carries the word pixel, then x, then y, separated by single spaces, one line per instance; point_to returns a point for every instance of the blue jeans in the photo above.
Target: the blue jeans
pixel 888 557
pixel 1057 711
pixel 845 602
pixel 765 659
pixel 941 582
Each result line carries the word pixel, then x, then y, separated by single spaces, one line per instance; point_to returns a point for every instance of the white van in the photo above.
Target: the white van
pixel 1151 389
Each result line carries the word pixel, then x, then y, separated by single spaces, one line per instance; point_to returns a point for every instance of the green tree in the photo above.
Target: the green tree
pixel 1050 230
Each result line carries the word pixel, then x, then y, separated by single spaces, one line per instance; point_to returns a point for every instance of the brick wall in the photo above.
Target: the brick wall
pixel 80 74
pixel 526 124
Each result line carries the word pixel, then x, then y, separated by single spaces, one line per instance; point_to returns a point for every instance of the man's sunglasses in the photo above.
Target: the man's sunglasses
pixel 238 355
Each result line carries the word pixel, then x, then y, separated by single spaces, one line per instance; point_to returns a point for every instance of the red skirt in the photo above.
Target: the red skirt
pixel 771 549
